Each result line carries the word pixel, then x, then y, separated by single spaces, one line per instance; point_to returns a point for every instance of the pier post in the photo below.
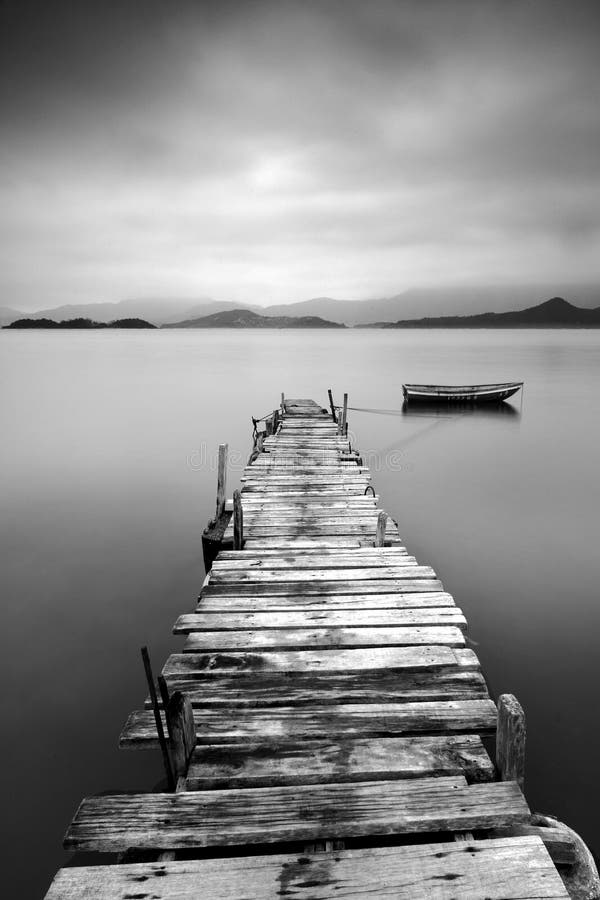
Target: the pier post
pixel 332 405
pixel 342 418
pixel 238 521
pixel 510 740
pixel 381 525
pixel 221 479
pixel 282 403
pixel 158 719
pixel 182 732
pixel 269 425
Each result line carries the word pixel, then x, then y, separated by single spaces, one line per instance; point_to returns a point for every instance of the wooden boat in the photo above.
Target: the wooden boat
pixel 460 393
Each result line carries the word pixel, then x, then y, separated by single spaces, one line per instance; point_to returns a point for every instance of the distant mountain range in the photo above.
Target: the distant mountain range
pixel 411 304
pixel 246 318
pixel 155 310
pixel 433 302
pixel 554 313
pixel 406 307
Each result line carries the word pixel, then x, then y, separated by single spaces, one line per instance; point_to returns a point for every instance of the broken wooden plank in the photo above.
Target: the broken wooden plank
pixel 329 761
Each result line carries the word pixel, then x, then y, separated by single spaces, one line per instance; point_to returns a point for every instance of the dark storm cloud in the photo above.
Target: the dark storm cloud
pixel 272 150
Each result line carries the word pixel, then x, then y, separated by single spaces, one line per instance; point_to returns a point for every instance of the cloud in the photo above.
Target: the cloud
pixel 269 151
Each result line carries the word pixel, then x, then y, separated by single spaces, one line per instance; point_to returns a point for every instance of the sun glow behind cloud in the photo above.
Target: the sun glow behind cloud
pixel 271 151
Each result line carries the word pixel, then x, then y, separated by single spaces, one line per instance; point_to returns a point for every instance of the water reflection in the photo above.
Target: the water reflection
pixel 446 410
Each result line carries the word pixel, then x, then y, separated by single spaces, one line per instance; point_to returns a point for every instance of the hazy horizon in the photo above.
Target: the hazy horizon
pixel 271 152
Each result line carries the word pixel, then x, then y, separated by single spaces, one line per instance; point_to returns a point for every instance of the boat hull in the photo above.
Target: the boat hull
pixel 465 394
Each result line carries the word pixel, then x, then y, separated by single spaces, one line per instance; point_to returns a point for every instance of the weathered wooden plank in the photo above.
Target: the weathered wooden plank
pixel 360 531
pixel 508 869
pixel 218 725
pixel 302 812
pixel 270 466
pixel 304 457
pixel 302 472
pixel 356 485
pixel 319 454
pixel 287 490
pixel 327 761
pixel 299 430
pixel 327 637
pixel 304 493
pixel 304 689
pixel 310 444
pixel 274 524
pixel 311 553
pixel 347 660
pixel 323 473
pixel 305 517
pixel 320 494
pixel 338 509
pixel 360 557
pixel 294 619
pixel 230 601
pixel 402 569
pixel 300 511
pixel 308 524
pixel 296 431
pixel 315 527
pixel 299 502
pixel 323 588
pixel 298 543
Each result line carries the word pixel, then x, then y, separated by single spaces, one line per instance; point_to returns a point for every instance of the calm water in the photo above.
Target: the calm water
pixel 108 479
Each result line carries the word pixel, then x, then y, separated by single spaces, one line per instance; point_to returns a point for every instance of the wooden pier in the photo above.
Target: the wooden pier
pixel 328 731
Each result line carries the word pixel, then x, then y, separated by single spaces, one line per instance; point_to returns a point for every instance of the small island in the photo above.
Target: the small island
pixel 84 324
pixel 554 313
pixel 246 318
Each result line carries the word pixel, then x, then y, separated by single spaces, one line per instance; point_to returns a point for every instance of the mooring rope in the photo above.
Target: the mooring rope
pixel 400 412
pixel 380 412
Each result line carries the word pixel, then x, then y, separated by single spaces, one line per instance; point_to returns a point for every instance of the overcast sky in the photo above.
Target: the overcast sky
pixel 269 152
